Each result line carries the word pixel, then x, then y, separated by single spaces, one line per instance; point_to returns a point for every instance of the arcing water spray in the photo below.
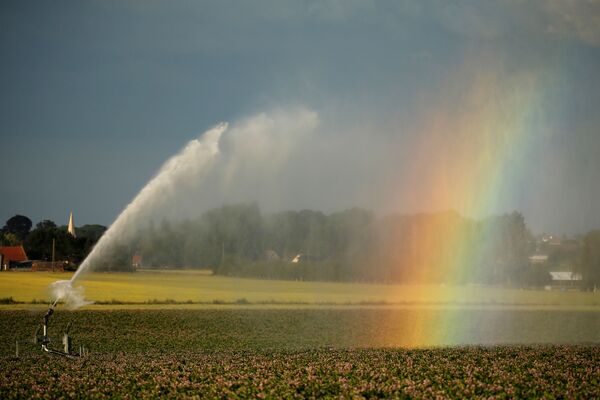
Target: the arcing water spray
pixel 193 161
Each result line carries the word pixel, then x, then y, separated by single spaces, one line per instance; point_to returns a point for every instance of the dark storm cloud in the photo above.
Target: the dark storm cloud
pixel 96 95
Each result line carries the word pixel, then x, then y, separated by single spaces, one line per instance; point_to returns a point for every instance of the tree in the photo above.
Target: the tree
pixel 91 232
pixel 9 239
pixel 45 224
pixel 503 245
pixel 19 225
pixel 589 264
pixel 87 236
pixel 47 237
pixel 39 241
pixel 233 230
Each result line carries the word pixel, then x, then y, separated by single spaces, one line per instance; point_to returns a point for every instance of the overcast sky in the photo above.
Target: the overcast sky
pixel 96 95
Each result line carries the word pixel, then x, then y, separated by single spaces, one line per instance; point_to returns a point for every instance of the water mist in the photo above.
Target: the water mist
pixel 193 162
pixel 246 162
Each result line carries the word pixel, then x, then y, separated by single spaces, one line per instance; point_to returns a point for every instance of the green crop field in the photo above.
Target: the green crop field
pixel 201 287
pixel 188 334
pixel 314 353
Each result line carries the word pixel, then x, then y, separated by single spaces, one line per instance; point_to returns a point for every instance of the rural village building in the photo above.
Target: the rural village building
pixel 12 256
pixel 538 259
pixel 136 260
pixel 303 258
pixel 48 266
pixel 565 279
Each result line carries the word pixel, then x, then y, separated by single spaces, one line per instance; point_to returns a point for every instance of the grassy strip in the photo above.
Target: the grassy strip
pixel 244 301
pixel 181 288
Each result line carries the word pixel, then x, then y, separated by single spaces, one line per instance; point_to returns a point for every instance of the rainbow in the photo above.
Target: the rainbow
pixel 468 157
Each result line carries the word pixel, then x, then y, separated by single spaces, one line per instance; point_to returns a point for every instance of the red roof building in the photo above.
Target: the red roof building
pixel 136 260
pixel 12 254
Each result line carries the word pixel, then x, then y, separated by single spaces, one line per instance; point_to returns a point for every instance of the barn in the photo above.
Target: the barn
pixel 12 257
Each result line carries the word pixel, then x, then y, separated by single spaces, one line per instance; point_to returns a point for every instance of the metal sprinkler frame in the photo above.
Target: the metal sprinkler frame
pixel 66 339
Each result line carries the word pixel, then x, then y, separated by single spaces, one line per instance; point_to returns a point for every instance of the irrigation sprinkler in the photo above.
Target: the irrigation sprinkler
pixel 66 339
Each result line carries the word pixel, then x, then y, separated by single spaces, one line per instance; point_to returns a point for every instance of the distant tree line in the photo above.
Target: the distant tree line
pixel 38 242
pixel 589 262
pixel 352 245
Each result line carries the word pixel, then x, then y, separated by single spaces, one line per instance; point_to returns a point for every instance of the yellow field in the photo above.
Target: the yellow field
pixel 198 286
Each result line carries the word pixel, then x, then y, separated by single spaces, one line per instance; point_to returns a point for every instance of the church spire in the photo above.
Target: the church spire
pixel 71 227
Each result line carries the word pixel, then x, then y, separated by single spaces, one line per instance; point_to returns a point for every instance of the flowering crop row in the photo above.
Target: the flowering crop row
pixel 238 354
pixel 499 372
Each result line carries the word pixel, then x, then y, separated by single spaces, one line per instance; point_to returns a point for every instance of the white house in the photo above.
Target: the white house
pixel 565 279
pixel 538 259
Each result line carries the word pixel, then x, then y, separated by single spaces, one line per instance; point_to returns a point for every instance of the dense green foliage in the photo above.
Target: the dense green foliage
pixel 47 236
pixel 38 243
pixel 590 260
pixel 18 226
pixel 352 245
pixel 283 354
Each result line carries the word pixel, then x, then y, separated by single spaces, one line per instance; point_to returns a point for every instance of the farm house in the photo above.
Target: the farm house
pixel 12 257
pixel 565 279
